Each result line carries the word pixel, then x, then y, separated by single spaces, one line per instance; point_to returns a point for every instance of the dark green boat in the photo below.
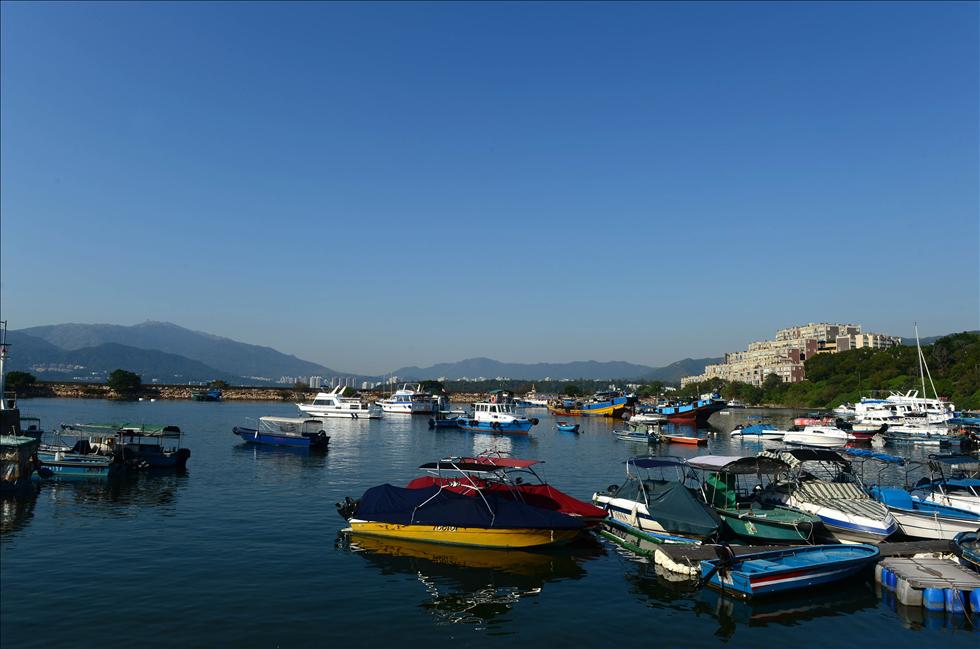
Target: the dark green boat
pixel 742 514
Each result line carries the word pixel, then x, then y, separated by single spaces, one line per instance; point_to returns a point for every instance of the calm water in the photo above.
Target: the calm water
pixel 244 551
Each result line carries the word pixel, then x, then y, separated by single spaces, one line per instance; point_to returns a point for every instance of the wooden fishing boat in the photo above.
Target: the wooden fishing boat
pixel 779 571
pixel 600 405
pixel 439 515
pixel 743 514
pixel 565 427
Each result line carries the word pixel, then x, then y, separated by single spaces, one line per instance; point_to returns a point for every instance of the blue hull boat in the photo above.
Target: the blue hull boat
pixel 516 427
pixel 286 431
pixel 67 466
pixel 566 428
pixel 779 571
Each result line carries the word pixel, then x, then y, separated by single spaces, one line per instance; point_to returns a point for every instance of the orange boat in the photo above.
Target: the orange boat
pixel 683 439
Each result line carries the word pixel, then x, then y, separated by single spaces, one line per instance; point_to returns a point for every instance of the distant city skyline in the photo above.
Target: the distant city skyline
pixel 373 186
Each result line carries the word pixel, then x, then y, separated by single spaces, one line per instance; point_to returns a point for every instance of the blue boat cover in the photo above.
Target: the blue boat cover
pixel 389 504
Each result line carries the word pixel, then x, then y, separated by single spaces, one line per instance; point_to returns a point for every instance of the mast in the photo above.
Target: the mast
pixel 3 359
pixel 922 361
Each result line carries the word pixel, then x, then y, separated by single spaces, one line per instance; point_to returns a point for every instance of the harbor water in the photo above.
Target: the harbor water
pixel 245 550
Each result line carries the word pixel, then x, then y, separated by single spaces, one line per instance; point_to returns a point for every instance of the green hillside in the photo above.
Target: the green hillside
pixel 833 379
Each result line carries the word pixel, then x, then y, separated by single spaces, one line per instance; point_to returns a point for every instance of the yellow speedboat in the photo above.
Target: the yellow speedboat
pixel 438 515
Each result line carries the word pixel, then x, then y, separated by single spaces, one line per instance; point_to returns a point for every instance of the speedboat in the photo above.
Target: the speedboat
pixel 335 404
pixel 778 571
pixel 766 432
pixel 439 515
pixel 505 476
pixel 410 399
pixel 742 512
pixel 821 436
pixel 565 427
pixel 924 519
pixel 654 503
pixel 295 432
pixel 498 415
pixel 820 482
pixel 952 482
pixel 647 418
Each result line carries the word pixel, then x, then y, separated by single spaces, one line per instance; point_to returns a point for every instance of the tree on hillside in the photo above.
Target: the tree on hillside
pixel 124 382
pixel 771 383
pixel 218 384
pixel 433 387
pixel 572 390
pixel 20 381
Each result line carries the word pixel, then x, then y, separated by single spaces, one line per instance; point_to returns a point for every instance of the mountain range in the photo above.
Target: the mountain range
pixel 168 353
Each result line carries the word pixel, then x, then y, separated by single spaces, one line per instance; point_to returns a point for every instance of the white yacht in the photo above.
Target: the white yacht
pixel 334 404
pixel 409 400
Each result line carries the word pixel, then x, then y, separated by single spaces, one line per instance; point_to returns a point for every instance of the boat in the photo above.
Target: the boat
pixel 534 400
pixel 952 482
pixel 684 439
pixel 497 416
pixel 821 482
pixel 214 394
pixel 779 571
pixel 820 436
pixel 410 399
pixel 757 432
pixel 565 427
pixel 602 404
pixel 647 418
pixel 439 515
pixel 506 476
pixel 845 410
pixel 70 454
pixel 735 403
pixel 743 514
pixel 447 418
pixel 335 404
pixel 16 461
pixel 294 432
pixel 966 546
pixel 138 446
pixel 922 519
pixel 814 420
pixel 655 504
pixel 638 434
pixel 696 412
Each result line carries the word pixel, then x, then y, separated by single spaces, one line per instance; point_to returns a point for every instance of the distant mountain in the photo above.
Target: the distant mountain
pixel 223 354
pixel 932 339
pixel 52 363
pixel 595 370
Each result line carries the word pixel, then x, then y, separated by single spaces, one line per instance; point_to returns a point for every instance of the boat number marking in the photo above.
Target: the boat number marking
pixel 444 528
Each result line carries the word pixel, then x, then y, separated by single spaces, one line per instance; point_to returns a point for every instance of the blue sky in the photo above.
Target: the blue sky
pixel 375 185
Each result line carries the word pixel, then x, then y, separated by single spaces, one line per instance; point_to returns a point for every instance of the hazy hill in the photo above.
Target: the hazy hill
pixel 489 368
pixel 223 354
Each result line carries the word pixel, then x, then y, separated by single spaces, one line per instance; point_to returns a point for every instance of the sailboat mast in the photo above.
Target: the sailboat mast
pixel 918 347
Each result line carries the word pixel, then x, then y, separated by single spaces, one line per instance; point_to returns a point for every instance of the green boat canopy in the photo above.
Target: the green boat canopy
pixel 751 464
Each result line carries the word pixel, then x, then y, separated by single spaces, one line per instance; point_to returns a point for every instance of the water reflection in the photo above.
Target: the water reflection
pixel 917 618
pixel 16 511
pixel 122 497
pixel 786 609
pixel 473 586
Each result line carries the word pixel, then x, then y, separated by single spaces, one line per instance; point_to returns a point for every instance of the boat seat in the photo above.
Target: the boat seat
pixel 759 565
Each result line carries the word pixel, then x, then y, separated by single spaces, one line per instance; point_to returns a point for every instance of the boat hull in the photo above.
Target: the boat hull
pixel 767 573
pixel 314 411
pixel 613 410
pixel 516 427
pixel 692 413
pixel 760 529
pixel 252 436
pixel 481 537
pixel 71 466
pixel 926 525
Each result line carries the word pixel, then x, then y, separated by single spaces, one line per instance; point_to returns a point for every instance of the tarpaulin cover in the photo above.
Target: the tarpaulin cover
pixel 674 506
pixel 389 504
pixel 537 495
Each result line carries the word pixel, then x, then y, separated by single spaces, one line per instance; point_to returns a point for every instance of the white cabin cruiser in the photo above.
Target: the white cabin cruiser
pixel 822 436
pixel 334 404
pixel 409 400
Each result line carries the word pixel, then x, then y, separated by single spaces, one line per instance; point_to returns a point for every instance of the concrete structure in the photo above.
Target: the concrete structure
pixel 785 354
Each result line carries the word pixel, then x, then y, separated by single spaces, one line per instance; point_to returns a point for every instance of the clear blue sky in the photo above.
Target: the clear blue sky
pixel 370 186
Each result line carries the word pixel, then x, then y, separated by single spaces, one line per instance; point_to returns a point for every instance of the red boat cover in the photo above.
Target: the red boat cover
pixel 537 495
pixel 507 462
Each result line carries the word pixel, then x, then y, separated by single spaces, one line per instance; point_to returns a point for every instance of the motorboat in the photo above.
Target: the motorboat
pixel 507 476
pixel 952 482
pixel 138 446
pixel 410 399
pixel 335 404
pixel 821 482
pixel 923 519
pixel 655 503
pixel 744 515
pixel 647 418
pixel 70 454
pixel 966 546
pixel 534 400
pixel 294 432
pixel 565 427
pixel 498 416
pixel 438 514
pixel 820 436
pixel 780 571
pixel 764 431
pixel 649 435
pixel 447 418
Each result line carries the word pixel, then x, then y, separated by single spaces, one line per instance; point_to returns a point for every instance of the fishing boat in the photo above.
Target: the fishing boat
pixel 335 404
pixel 602 404
pixel 565 427
pixel 214 394
pixel 819 436
pixel 439 515
pixel 138 446
pixel 294 432
pixel 497 416
pixel 70 454
pixel 821 482
pixel 655 504
pixel 779 571
pixel 966 546
pixel 757 432
pixel 741 511
pixel 410 399
pixel 695 412
pixel 506 476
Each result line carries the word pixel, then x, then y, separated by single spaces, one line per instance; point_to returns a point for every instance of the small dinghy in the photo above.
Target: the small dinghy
pixel 565 427
pixel 763 573
pixel 685 439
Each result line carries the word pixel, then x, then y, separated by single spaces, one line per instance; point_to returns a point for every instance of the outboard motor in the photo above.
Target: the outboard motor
pixel 348 508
